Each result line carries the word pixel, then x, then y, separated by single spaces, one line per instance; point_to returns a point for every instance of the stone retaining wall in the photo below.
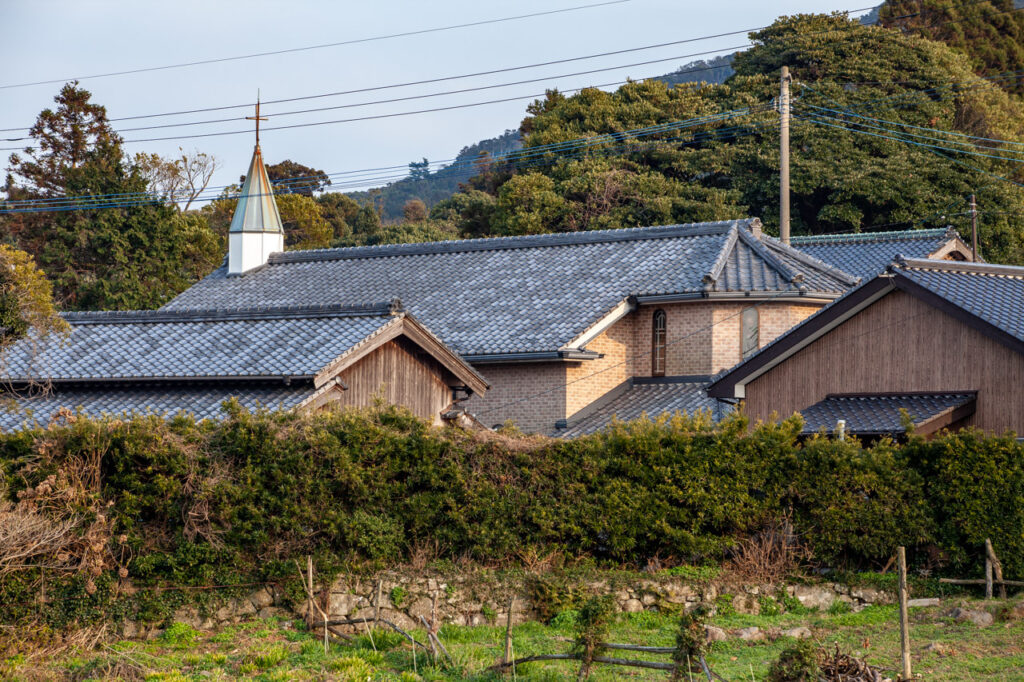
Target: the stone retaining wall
pixel 483 598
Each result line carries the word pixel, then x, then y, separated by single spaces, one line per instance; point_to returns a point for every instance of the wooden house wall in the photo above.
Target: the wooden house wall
pixel 898 344
pixel 401 374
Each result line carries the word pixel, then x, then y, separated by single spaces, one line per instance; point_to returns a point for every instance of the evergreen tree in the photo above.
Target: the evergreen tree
pixel 842 180
pixel 134 256
pixel 990 32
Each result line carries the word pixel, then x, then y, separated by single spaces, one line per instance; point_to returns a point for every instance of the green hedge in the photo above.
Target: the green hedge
pixel 254 490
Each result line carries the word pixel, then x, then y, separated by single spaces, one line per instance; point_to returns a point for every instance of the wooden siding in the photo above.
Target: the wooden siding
pixel 401 374
pixel 898 344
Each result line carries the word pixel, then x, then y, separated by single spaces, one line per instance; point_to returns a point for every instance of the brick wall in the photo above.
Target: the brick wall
pixel 590 380
pixel 531 395
pixel 688 338
pixel 536 395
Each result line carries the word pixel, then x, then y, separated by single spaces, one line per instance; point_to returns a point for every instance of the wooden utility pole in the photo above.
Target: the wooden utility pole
pixel 901 562
pixel 974 230
pixel 784 157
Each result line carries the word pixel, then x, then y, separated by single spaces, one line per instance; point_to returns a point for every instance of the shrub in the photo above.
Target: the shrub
pixel 227 502
pixel 796 663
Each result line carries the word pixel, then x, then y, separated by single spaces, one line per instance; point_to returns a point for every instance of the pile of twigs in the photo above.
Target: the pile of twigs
pixel 840 667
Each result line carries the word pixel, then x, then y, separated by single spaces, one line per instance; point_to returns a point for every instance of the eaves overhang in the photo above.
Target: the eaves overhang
pixel 567 355
pixel 743 296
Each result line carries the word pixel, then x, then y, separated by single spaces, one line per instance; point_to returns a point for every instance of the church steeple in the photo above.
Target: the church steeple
pixel 256 229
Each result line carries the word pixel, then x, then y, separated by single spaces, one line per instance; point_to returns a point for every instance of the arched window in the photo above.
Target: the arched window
pixel 658 343
pixel 750 333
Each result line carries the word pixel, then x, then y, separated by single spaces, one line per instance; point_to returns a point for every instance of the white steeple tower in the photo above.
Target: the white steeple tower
pixel 256 230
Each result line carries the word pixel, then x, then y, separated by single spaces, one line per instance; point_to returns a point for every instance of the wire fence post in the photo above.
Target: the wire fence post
pixel 901 560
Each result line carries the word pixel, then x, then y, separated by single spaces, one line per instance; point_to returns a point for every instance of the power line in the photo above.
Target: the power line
pixel 433 94
pixel 480 73
pixel 512 158
pixel 354 41
pixel 899 137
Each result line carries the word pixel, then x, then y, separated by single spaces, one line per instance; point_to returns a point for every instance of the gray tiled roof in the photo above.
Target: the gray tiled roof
pixel 521 294
pixel 878 414
pixel 868 254
pixel 652 400
pixel 994 293
pixel 203 343
pixel 202 400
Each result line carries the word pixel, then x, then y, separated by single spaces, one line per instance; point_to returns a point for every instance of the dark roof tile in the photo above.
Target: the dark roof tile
pixel 878 414
pixel 510 294
pixel 652 398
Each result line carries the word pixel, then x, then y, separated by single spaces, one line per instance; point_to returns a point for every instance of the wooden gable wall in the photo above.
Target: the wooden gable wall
pixel 898 344
pixel 399 373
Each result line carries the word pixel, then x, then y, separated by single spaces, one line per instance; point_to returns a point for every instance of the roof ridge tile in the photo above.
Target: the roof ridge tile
pixel 511 243
pixel 859 237
pixel 233 313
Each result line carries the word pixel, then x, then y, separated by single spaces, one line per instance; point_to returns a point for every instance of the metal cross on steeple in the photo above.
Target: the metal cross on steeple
pixel 257 118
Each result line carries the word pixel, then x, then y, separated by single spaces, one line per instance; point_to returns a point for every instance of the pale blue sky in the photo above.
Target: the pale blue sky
pixel 48 39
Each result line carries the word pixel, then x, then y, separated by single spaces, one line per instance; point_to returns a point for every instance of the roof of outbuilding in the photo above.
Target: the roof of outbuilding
pixel 880 414
pixel 203 400
pixel 224 343
pixel 991 293
pixel 867 254
pixel 532 293
pixel 653 398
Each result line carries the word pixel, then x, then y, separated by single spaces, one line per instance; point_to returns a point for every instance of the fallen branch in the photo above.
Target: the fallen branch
pixel 357 621
pixel 980 581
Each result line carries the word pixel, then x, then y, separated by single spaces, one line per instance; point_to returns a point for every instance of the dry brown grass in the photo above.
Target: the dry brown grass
pixel 769 555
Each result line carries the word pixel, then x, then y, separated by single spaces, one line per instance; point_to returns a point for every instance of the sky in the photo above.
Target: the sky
pixel 47 40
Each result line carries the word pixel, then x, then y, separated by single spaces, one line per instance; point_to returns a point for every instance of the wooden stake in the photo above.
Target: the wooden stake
pixel 508 631
pixel 997 565
pixel 988 578
pixel 901 561
pixel 376 604
pixel 309 581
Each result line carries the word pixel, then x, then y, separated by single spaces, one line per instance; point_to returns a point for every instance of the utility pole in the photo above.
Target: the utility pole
pixel 974 230
pixel 784 157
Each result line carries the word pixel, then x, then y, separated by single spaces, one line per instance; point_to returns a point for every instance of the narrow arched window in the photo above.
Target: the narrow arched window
pixel 658 344
pixel 750 333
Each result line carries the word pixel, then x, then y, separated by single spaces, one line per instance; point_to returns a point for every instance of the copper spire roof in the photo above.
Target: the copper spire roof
pixel 256 210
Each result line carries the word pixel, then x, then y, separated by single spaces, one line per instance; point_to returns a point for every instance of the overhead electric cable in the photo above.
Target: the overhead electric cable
pixel 317 47
pixel 430 94
pixel 93 202
pixel 900 137
pixel 479 73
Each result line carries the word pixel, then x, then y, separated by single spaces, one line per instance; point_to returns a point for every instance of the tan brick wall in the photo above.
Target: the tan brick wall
pixel 773 319
pixel 687 334
pixel 697 347
pixel 590 380
pixel 536 395
pixel 530 395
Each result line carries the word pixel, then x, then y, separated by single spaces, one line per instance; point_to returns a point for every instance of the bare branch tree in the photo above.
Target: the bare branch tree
pixel 180 180
pixel 197 170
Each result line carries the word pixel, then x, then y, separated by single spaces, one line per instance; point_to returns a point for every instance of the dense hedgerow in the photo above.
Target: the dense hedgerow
pixel 184 502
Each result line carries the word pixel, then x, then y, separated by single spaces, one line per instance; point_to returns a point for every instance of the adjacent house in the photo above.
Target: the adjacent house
pixel 298 358
pixel 938 344
pixel 867 254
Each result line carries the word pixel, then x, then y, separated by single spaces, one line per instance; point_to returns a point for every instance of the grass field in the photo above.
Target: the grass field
pixel 284 650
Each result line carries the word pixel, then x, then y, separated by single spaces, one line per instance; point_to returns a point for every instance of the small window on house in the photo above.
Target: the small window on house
pixel 658 344
pixel 750 331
